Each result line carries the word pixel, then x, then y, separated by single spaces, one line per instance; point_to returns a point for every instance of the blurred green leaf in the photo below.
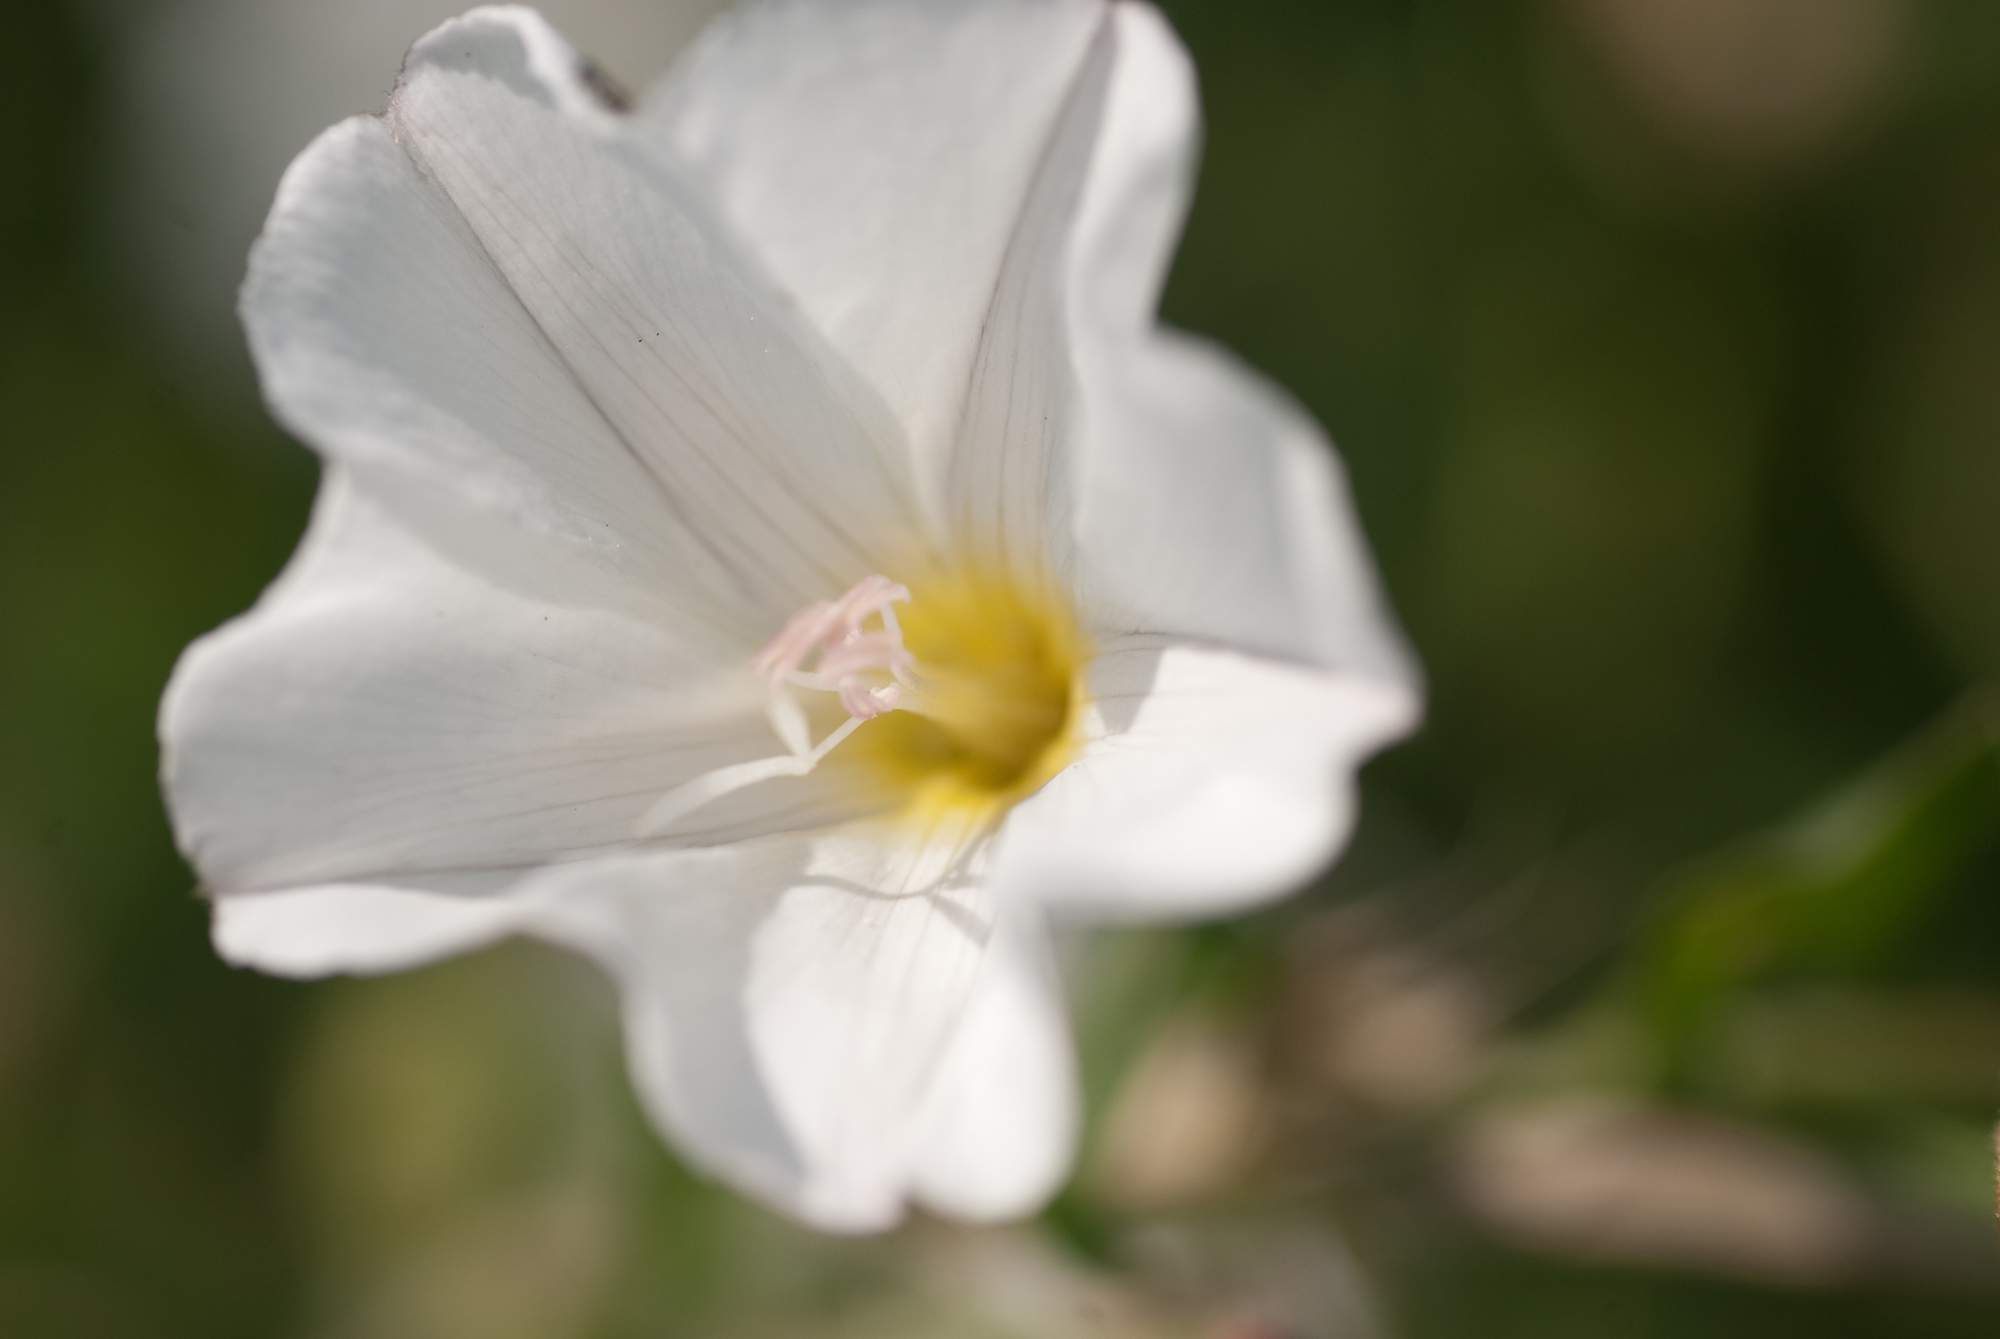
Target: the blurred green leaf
pixel 1836 894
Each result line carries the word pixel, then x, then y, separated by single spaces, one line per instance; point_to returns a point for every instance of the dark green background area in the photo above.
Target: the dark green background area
pixel 1682 463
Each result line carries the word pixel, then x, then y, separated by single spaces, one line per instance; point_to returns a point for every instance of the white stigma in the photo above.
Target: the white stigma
pixel 826 647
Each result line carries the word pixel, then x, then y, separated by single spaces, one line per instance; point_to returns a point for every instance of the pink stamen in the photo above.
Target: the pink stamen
pixel 828 647
pixel 825 646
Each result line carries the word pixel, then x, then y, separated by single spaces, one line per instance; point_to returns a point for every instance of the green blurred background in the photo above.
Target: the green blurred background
pixel 1660 992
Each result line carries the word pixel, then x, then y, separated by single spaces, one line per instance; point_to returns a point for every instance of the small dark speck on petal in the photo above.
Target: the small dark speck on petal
pixel 602 85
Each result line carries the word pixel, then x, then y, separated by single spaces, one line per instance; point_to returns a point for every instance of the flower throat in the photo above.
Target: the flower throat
pixel 958 707
pixel 991 712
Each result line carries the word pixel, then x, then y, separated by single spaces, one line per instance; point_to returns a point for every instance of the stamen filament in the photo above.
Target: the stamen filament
pixel 975 689
pixel 832 636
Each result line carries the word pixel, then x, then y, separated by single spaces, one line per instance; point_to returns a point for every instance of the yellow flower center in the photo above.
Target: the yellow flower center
pixel 957 708
pixel 996 704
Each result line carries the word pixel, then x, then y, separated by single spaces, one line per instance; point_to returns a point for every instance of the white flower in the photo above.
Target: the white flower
pixel 861 298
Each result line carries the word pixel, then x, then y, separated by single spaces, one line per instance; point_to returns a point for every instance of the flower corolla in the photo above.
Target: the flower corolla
pixel 766 545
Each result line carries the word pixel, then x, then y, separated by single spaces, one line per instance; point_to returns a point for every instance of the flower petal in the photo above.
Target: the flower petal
pixel 675 931
pixel 825 1023
pixel 1009 473
pixel 1207 505
pixel 772 474
pixel 788 1002
pixel 1004 1109
pixel 393 707
pixel 879 155
pixel 354 928
pixel 385 338
pixel 786 476
pixel 1218 780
